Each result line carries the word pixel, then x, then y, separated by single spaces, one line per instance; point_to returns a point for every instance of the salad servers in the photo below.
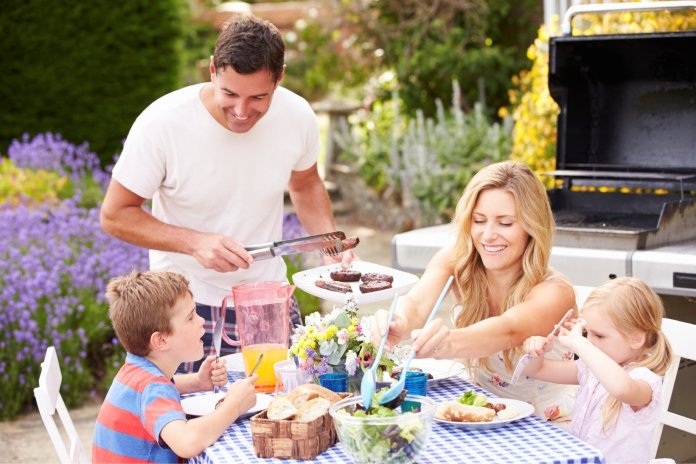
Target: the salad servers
pixel 369 382
pixel 396 389
pixel 524 360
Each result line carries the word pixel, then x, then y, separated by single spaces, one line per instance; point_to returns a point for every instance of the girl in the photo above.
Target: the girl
pixel 619 370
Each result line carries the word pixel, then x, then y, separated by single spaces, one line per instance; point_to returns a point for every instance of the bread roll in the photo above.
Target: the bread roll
pixel 281 408
pixel 312 409
pixel 306 392
pixel 457 412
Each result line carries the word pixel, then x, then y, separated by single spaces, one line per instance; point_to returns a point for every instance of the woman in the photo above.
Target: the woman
pixel 504 288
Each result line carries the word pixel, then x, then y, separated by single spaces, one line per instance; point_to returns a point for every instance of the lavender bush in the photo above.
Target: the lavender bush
pixel 55 261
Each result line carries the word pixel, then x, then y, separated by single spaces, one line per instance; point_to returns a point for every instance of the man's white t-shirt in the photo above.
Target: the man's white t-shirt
pixel 202 176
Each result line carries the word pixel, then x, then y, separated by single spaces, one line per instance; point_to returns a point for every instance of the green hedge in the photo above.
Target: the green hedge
pixel 86 69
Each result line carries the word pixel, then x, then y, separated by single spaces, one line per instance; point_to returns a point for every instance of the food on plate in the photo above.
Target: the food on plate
pixel 396 372
pixel 472 398
pixel 333 286
pixel 374 286
pixel 305 403
pixel 507 413
pixel 345 275
pixel 372 276
pixel 457 412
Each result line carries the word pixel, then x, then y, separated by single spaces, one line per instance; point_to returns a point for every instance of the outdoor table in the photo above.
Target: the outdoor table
pixel 528 440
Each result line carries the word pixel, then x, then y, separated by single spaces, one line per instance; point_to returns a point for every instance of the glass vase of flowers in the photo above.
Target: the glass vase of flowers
pixel 339 341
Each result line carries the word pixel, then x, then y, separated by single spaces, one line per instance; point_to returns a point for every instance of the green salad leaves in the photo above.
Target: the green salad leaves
pixel 472 398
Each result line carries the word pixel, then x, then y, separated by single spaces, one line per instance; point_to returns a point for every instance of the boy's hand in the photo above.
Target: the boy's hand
pixel 213 372
pixel 242 393
pixel 537 346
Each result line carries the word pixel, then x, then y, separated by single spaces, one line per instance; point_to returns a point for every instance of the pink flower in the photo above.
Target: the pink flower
pixel 342 336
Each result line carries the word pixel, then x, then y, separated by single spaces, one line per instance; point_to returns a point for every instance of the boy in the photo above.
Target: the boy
pixel 155 319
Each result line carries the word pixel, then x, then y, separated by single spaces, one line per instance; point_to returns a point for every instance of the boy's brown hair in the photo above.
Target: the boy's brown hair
pixel 140 304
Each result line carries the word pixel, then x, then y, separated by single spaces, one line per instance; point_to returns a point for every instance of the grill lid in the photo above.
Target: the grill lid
pixel 627 109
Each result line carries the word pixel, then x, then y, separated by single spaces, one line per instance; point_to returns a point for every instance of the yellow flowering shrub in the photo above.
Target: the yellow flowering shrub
pixel 533 109
pixel 28 186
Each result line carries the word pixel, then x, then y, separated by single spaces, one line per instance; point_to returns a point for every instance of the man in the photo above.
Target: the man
pixel 215 159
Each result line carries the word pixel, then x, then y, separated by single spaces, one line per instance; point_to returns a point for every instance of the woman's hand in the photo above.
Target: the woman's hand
pixel 398 330
pixel 432 341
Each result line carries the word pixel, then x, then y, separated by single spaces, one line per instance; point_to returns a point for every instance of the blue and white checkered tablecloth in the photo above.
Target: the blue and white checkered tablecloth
pixel 528 440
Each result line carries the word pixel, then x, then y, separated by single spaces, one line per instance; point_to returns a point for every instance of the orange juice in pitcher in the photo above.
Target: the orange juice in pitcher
pixel 263 325
pixel 272 353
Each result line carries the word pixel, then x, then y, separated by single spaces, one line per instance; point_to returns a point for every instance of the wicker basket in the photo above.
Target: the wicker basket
pixel 289 439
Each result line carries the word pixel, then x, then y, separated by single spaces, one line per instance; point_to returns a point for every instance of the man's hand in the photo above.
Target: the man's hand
pixel 220 253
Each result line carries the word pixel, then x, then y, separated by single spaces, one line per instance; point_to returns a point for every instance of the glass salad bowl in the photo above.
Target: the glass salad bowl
pixel 385 435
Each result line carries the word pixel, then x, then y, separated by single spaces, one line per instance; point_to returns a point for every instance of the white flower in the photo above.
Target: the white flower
pixel 398 353
pixel 351 362
pixel 365 326
pixel 315 320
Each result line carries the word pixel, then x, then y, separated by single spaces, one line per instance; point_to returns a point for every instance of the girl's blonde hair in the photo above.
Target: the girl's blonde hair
pixel 534 214
pixel 632 306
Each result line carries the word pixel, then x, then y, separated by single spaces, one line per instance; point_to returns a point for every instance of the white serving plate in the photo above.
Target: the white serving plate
pixel 202 404
pixel 525 409
pixel 305 280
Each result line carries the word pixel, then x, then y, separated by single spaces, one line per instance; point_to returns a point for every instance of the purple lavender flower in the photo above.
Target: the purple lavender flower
pixel 55 261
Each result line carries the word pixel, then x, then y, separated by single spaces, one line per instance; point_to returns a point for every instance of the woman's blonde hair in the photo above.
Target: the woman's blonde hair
pixel 534 214
pixel 141 303
pixel 632 306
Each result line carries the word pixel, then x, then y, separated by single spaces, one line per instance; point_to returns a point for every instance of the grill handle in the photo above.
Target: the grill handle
pixel 566 26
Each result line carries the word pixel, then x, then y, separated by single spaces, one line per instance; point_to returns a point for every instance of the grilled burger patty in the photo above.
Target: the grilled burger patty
pixel 374 286
pixel 373 276
pixel 345 275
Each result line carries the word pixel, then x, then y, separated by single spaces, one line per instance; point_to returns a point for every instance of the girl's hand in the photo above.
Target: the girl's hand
pixel 536 346
pixel 573 337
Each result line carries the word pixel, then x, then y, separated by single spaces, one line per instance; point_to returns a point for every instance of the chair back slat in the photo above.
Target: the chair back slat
pixel 681 336
pixel 49 401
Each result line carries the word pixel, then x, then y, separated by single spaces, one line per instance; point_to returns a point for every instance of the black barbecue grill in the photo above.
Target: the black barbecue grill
pixel 627 121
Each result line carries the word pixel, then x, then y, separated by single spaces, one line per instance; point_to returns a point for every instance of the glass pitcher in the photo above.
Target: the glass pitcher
pixel 263 321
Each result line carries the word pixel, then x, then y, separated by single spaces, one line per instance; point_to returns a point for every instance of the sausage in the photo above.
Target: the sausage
pixel 333 286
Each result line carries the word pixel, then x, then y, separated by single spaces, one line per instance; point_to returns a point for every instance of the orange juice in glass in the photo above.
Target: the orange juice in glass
pixel 272 353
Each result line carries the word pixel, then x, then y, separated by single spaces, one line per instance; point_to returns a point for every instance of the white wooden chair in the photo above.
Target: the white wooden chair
pixel 681 336
pixel 49 401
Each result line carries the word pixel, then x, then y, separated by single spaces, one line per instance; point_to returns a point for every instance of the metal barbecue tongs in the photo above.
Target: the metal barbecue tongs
pixel 329 244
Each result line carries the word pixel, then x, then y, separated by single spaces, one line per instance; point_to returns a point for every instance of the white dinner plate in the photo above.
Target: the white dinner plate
pixel 523 407
pixel 234 362
pixel 440 369
pixel 306 280
pixel 200 405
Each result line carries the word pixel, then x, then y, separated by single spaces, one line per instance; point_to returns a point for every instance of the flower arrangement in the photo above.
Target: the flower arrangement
pixel 338 341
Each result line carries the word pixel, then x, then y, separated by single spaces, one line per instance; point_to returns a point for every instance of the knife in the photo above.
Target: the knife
pixel 330 243
pixel 217 338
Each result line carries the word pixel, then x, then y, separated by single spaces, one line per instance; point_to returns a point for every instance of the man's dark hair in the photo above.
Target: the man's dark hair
pixel 250 44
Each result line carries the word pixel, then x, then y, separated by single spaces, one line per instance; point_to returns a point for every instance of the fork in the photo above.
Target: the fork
pixel 524 360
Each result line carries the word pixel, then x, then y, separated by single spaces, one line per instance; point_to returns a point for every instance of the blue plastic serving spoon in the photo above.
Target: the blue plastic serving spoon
pixel 398 387
pixel 369 383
